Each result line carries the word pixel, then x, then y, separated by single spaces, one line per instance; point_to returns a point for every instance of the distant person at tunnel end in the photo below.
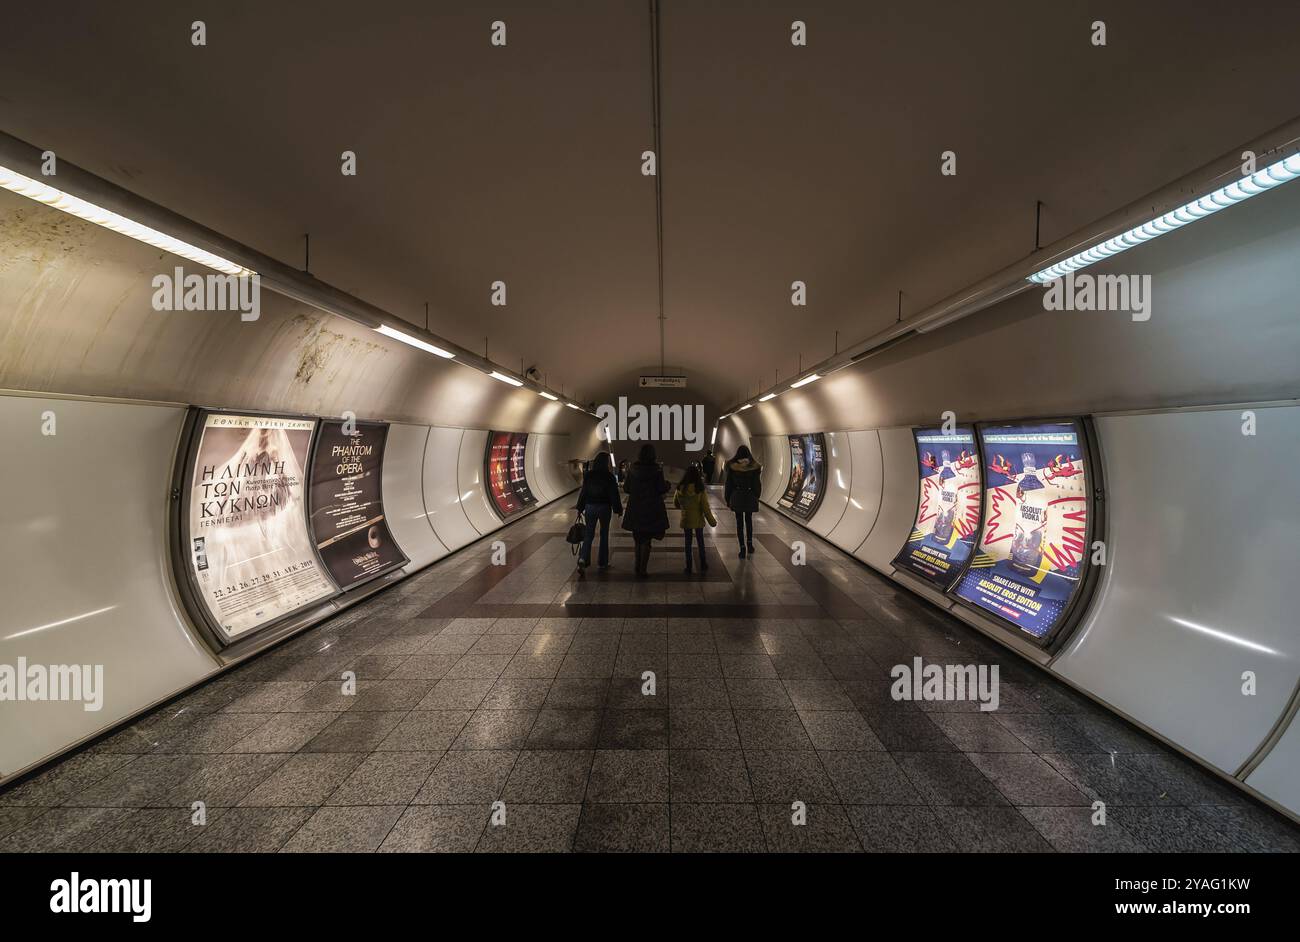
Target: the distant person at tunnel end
pixel 743 485
pixel 646 516
pixel 598 501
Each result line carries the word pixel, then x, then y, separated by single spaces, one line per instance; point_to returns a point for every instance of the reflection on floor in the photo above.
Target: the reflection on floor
pixel 524 684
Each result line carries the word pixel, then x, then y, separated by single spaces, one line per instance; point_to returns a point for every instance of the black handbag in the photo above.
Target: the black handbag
pixel 577 533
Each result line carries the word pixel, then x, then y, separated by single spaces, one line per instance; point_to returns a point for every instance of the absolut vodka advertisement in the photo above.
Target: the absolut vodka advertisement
pixel 1033 541
pixel 347 503
pixel 251 555
pixel 948 508
pixel 804 491
pixel 507 478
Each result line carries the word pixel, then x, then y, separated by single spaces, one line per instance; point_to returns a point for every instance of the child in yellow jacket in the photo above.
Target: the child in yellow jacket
pixel 693 500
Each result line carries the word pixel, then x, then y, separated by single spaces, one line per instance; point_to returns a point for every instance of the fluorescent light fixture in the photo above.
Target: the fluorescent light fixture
pixel 1235 192
pixel 805 381
pixel 413 341
pixel 44 193
pixel 714 439
pixel 771 395
pixel 748 405
pixel 572 406
pixel 505 379
pixel 546 395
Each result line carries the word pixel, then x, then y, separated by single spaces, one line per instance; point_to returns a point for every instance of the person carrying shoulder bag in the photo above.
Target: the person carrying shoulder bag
pixel 598 501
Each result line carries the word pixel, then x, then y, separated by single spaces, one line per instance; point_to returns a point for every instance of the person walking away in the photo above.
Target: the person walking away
pixel 744 484
pixel 693 501
pixel 645 516
pixel 598 501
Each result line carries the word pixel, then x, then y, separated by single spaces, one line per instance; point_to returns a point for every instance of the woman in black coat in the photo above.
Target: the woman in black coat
pixel 598 500
pixel 645 514
pixel 741 492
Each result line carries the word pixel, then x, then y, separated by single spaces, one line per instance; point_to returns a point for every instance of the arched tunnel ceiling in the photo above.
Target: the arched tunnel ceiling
pixel 522 164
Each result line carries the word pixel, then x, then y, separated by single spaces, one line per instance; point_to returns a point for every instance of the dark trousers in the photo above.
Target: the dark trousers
pixel 595 514
pixel 698 534
pixel 745 528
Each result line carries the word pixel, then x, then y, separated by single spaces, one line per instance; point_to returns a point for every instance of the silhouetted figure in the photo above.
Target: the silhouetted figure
pixel 598 501
pixel 744 484
pixel 693 500
pixel 646 516
pixel 709 466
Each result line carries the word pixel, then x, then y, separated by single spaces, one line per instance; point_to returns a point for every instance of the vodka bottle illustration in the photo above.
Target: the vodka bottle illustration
pixel 947 512
pixel 1031 519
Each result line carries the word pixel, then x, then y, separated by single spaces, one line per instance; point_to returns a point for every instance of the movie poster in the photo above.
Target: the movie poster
pixel 251 554
pixel 804 491
pixel 506 469
pixel 347 502
pixel 1034 538
pixel 948 508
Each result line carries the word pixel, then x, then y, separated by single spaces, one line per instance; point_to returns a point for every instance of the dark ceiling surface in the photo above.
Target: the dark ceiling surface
pixel 523 164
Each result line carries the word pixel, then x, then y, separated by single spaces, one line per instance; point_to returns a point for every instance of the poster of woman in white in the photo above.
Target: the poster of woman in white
pixel 250 551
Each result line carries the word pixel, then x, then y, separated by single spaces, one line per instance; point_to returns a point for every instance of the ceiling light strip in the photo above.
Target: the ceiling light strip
pixel 1236 192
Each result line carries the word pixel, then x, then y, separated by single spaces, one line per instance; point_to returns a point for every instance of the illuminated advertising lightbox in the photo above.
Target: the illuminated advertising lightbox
pixel 505 473
pixel 803 492
pixel 347 502
pixel 252 559
pixel 1029 560
pixel 948 508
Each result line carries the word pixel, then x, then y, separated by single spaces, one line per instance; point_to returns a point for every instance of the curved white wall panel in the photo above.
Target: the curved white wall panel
pixel 864 492
pixel 1278 776
pixel 539 481
pixel 83 553
pixel 403 487
pixel 775 457
pixel 472 487
pixel 1203 555
pixel 899 493
pixel 553 458
pixel 839 474
pixel 442 492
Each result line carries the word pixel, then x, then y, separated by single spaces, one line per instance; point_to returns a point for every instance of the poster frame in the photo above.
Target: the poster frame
pixel 1094 530
pixel 979 527
pixel 191 595
pixel 788 510
pixel 487 478
pixel 310 471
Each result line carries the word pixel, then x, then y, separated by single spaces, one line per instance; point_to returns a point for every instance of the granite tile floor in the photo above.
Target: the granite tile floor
pixel 528 707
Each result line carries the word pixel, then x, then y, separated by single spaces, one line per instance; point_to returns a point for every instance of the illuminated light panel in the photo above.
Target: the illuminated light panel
pixel 572 406
pixel 413 341
pixel 805 381
pixel 771 395
pixel 1235 192
pixel 748 405
pixel 75 206
pixel 546 395
pixel 509 380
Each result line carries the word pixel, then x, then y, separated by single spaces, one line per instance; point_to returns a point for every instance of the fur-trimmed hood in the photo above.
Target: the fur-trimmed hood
pixel 744 464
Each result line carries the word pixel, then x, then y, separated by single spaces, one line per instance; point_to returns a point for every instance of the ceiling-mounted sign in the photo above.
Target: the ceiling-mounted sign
pixel 663 382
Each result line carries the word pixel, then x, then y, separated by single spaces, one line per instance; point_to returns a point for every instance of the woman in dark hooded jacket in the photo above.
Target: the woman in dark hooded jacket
pixel 598 500
pixel 744 484
pixel 645 515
